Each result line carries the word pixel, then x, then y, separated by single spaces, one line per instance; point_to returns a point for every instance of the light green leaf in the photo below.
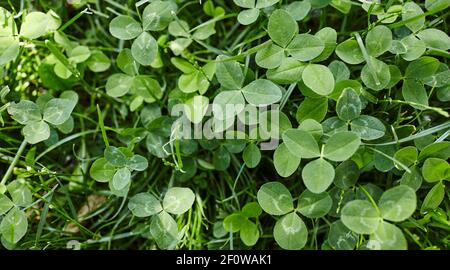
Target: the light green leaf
pixel 196 108
pixel 251 210
pixel 79 54
pixel 340 237
pixel 229 74
pixel 313 205
pixel 126 62
pixel 397 203
pixel 435 169
pixel 5 204
pixel 282 27
pixel 275 199
pixel 290 71
pixel 178 200
pixel 422 68
pixel 118 85
pixel 301 143
pixel 265 3
pixel 20 193
pixel 34 25
pixel 349 105
pixel 227 104
pixel 245 3
pixel 298 9
pixel 406 156
pixel 251 155
pixel 144 205
pixel 271 56
pixel 137 163
pixel 14 225
pixel 414 91
pixel 121 178
pixel 125 27
pixel 24 112
pixel 115 157
pixel 347 174
pixel 435 38
pixel 102 171
pixel 415 48
pixel 368 127
pixel 305 47
pixel 146 87
pixel 378 40
pixel 318 175
pixel 249 233
pixel 284 161
pixel 290 232
pixel 319 78
pixel 262 92
pixel 144 49
pixel 341 146
pixel 361 217
pixel 58 110
pixel 312 108
pixel 35 132
pixel 98 62
pixel 234 222
pixel 158 14
pixel 376 76
pixel 164 230
pixel 434 198
pixel 387 237
pixel 249 16
pixel 411 10
pixel 350 52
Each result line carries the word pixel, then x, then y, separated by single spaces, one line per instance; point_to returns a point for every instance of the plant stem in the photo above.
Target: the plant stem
pixel 13 163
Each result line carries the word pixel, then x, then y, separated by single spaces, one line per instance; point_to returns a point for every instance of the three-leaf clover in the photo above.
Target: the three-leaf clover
pixel 240 222
pixel 251 14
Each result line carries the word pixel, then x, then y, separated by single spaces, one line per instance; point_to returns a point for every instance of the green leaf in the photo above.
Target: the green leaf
pixel 313 127
pixel 340 237
pixel 270 57
pixel 347 174
pixel 397 203
pixel 411 10
pixel 378 40
pixel 146 87
pixel 305 47
pixel 115 157
pixel 434 198
pixel 414 91
pixel 137 163
pixel 422 68
pixel 25 112
pixel 329 36
pixel 435 38
pixel 312 108
pixel 368 127
pixel 251 210
pixel 415 48
pixel 282 27
pixel 118 85
pixel 340 70
pixel 313 205
pixel 229 74
pixel 435 169
pixel 178 200
pixel 127 63
pixel 298 9
pixel 196 108
pixel 5 204
pixel 290 71
pixel 233 223
pixel 406 156
pixel 251 155
pixel 284 161
pixel 341 146
pixel 14 225
pixel 164 230
pixel 350 52
pixel 290 232
pixel 262 92
pixel 245 3
pixel 158 15
pixel 275 199
pixel 125 27
pixel 265 3
pixel 102 171
pixel 20 193
pixel 412 179
pixel 318 175
pixel 58 110
pixel 35 132
pixel 319 78
pixel 98 62
pixel 376 76
pixel 144 205
pixel 361 217
pixel 121 178
pixel 144 49
pixel 387 237
pixel 249 16
pixel 228 104
pixel 34 25
pixel 301 143
pixel 249 233
pixel 437 150
pixel 348 106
